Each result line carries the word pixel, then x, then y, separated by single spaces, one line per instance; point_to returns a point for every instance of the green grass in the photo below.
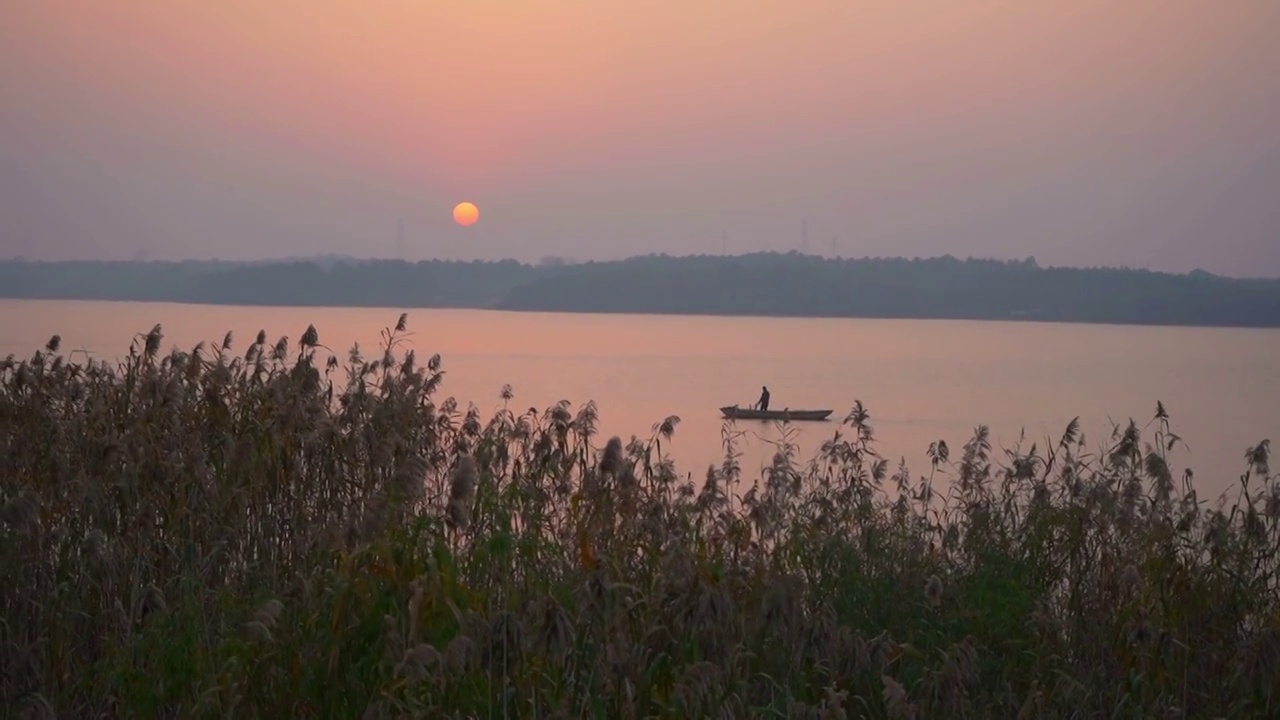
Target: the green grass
pixel 276 533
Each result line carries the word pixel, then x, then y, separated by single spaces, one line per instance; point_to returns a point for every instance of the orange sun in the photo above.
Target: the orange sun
pixel 466 213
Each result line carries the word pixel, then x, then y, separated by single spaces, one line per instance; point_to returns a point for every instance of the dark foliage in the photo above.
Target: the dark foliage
pixel 272 533
pixel 761 284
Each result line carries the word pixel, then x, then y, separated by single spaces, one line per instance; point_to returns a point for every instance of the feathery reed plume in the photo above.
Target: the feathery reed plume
pixel 418 662
pixel 896 701
pixel 933 590
pixel 462 490
pixel 611 459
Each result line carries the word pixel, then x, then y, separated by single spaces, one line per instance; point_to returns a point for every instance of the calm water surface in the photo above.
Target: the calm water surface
pixel 921 380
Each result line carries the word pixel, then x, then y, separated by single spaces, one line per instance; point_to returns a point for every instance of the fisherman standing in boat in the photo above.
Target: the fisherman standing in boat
pixel 764 398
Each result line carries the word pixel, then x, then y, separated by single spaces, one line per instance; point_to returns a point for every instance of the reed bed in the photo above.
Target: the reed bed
pixel 279 533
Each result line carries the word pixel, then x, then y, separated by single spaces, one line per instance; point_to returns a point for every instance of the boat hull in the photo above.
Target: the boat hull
pixel 738 413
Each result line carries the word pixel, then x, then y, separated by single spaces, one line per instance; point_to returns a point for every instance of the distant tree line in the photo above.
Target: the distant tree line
pixel 760 284
pixel 377 283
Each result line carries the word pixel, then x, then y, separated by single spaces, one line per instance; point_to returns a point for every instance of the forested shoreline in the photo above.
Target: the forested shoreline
pixel 768 284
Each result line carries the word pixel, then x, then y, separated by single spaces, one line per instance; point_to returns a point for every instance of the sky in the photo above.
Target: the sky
pixel 1143 133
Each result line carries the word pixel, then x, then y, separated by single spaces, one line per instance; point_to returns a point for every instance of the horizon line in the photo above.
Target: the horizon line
pixel 563 261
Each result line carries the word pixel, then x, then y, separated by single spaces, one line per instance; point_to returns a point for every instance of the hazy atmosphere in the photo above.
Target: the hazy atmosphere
pixel 608 359
pixel 1081 132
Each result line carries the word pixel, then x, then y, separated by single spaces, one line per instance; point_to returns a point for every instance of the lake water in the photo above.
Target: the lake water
pixel 921 380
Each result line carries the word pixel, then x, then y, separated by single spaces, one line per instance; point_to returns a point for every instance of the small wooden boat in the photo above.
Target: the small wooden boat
pixel 733 412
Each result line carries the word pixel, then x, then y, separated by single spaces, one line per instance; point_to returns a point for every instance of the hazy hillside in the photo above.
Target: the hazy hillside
pixel 377 283
pixel 794 284
pixel 761 284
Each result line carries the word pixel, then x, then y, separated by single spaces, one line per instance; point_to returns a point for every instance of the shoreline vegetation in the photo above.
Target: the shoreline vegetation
pixel 221 533
pixel 761 284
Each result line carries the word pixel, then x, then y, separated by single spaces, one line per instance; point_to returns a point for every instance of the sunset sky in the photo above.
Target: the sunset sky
pixel 1084 132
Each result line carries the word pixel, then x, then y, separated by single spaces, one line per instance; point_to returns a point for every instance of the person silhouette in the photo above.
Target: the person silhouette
pixel 764 398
